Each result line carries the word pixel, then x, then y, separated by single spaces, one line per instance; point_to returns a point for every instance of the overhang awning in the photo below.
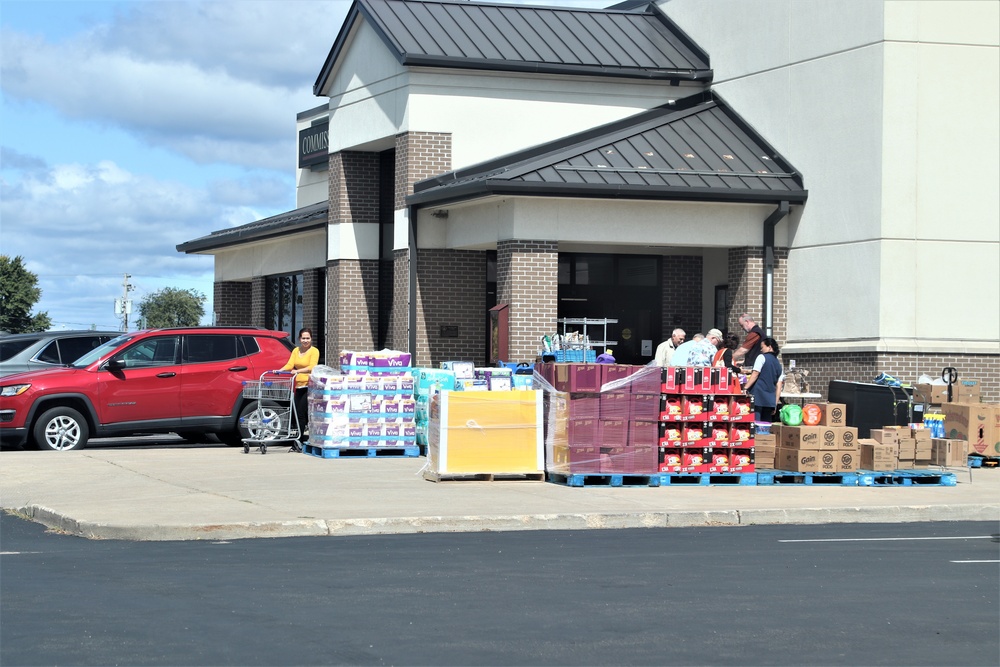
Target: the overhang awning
pixel 695 149
pixel 302 219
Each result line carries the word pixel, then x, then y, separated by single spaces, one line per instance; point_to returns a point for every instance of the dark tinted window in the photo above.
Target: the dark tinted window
pixel 161 351
pixel 8 348
pixel 250 345
pixel 71 349
pixel 50 353
pixel 638 271
pixel 595 270
pixel 204 347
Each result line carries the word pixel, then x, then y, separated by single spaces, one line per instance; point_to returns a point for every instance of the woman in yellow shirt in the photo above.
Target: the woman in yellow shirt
pixel 302 360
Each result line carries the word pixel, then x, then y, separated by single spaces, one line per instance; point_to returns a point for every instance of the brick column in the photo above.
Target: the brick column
pixel 353 284
pixel 420 155
pixel 528 280
pixel 746 289
pixel 232 302
pixel 258 302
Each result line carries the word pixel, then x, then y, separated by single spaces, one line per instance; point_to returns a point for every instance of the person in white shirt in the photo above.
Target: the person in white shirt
pixel 665 350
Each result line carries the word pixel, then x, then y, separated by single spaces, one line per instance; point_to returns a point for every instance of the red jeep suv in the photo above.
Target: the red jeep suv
pixel 187 381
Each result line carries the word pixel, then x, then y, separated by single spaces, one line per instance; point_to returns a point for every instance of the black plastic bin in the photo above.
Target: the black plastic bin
pixel 873 405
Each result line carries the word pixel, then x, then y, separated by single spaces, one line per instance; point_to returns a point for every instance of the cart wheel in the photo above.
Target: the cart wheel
pixel 246 448
pixel 263 448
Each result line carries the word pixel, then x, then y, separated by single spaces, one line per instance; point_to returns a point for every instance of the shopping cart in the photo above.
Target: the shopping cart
pixel 275 419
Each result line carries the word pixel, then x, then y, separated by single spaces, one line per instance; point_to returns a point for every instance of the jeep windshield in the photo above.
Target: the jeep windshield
pixel 99 352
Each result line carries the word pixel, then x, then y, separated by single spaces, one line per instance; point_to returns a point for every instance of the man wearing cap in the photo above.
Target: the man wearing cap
pixel 699 351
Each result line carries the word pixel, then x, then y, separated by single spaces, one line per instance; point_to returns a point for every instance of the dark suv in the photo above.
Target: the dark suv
pixel 187 381
pixel 35 351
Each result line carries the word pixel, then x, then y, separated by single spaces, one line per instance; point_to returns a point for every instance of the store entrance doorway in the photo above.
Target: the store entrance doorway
pixel 625 288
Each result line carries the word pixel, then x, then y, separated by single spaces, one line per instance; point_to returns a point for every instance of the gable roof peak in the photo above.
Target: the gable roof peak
pixel 631 42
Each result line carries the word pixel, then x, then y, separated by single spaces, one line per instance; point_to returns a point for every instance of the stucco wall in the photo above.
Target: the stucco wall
pixel 487 114
pixel 889 111
pixel 653 227
pixel 267 258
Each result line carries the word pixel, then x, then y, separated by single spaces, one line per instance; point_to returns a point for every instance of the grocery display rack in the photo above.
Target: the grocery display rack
pixel 590 322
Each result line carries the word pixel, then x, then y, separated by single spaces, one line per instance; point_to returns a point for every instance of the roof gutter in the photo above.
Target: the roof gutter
pixel 769 224
pixel 499 187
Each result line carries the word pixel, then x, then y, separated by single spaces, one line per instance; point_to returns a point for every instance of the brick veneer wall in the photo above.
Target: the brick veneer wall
pixel 528 280
pixel 258 301
pixel 906 367
pixel 231 302
pixel 353 184
pixel 746 289
pixel 352 308
pixel 353 285
pixel 419 155
pixel 682 291
pixel 451 291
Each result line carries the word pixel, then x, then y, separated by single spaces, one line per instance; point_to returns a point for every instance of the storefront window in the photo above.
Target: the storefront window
pixel 595 270
pixel 284 303
pixel 638 271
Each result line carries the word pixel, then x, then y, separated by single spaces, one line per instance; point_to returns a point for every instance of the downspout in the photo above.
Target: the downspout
pixel 769 224
pixel 411 325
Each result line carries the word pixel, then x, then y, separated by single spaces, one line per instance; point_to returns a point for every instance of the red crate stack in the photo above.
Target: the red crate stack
pixel 705 426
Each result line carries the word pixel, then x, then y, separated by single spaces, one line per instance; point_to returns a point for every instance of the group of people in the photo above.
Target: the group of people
pixel 756 357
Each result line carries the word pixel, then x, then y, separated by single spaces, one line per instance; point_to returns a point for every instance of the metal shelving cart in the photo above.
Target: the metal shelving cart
pixel 586 322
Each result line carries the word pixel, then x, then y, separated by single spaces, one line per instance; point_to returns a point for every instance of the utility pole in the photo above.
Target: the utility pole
pixel 123 306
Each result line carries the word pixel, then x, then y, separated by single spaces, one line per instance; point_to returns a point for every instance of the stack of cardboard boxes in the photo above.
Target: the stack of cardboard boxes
pixel 977 423
pixel 962 391
pixel 907 447
pixel 830 447
pixel 765 446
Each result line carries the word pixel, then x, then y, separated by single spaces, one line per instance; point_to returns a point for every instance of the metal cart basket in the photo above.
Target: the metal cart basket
pixel 275 419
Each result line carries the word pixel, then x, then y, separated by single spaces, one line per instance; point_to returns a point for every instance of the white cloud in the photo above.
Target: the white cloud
pixel 205 115
pixel 80 228
pixel 274 44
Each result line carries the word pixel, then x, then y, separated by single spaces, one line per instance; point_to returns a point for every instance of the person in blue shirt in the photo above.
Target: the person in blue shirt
pixel 765 381
pixel 699 351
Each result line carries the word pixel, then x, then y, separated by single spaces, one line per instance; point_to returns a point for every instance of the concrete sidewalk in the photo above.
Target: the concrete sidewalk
pixel 221 493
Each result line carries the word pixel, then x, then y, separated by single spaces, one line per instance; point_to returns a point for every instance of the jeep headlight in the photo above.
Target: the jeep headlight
pixel 14 389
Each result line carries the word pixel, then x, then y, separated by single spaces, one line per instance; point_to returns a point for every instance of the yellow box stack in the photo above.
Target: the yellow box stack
pixel 497 433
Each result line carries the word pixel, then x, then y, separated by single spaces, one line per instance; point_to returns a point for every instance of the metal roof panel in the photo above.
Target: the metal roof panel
pixel 636 42
pixel 698 145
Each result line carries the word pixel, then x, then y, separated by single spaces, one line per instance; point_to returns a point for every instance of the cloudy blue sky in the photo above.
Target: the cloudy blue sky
pixel 129 127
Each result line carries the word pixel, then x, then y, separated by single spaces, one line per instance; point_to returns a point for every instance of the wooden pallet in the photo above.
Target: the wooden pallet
pixel 434 476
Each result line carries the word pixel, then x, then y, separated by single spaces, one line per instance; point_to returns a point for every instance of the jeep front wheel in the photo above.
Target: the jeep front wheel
pixel 60 429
